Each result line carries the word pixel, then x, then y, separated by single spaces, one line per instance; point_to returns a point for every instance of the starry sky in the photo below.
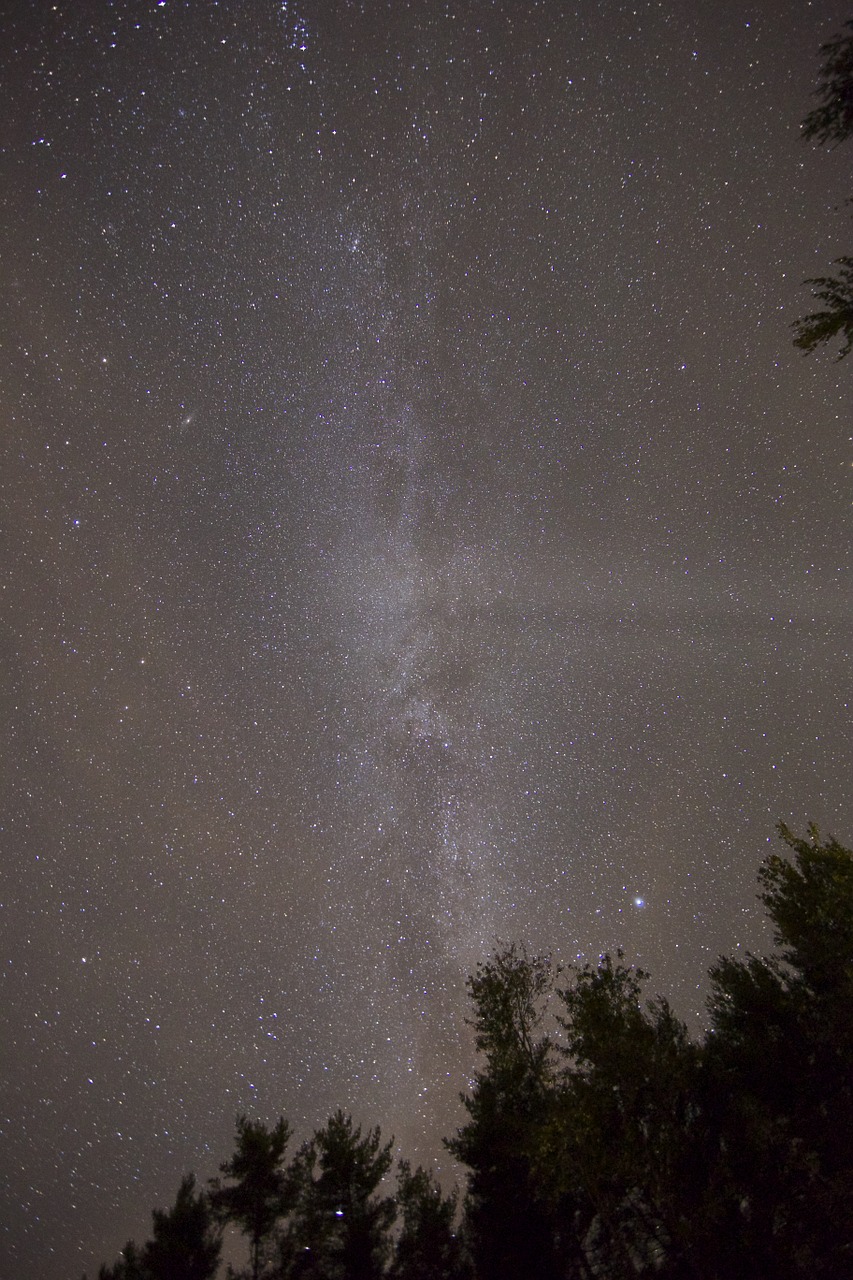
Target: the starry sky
pixel 419 530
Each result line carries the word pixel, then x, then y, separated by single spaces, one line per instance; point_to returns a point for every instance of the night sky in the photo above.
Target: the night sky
pixel 419 530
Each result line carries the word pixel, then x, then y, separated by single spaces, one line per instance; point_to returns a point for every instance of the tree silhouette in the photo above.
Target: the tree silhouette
pixel 257 1193
pixel 615 1159
pixel 506 1224
pixel 835 320
pixel 612 1146
pixel 624 1148
pixel 128 1266
pixel 428 1246
pixel 339 1227
pixel 781 1050
pixel 831 122
pixel 186 1243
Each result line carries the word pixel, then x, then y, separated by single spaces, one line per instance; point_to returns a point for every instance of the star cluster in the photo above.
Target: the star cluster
pixel 419 531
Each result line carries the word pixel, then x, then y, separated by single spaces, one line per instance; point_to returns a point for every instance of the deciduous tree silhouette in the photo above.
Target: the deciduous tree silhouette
pixel 781 1052
pixel 614 1146
pixel 506 1222
pixel 624 1148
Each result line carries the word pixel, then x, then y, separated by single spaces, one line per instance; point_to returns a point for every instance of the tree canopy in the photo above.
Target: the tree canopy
pixel 185 1245
pixel 600 1139
pixel 629 1148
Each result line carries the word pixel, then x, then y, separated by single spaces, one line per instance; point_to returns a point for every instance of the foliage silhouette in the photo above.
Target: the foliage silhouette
pixel 505 1222
pixel 836 317
pixel 186 1243
pixel 831 122
pixel 600 1139
pixel 257 1191
pixel 633 1149
pixel 781 1049
pixel 339 1226
pixel 428 1246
